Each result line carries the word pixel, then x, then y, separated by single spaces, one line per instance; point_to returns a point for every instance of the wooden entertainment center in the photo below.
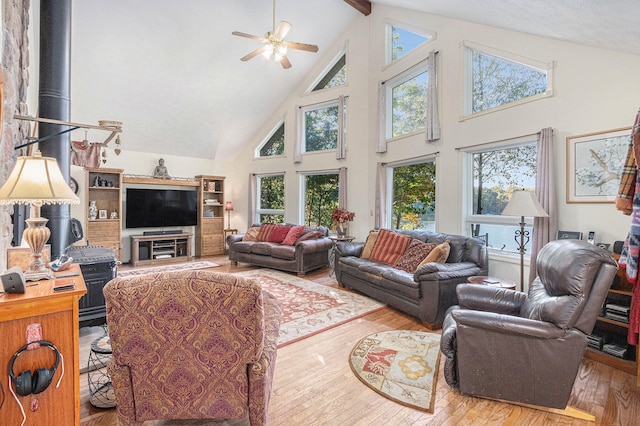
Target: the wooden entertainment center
pixel 148 249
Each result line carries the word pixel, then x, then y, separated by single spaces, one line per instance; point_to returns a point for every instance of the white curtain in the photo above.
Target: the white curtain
pixel 380 213
pixel 381 146
pixel 341 146
pixel 253 193
pixel 432 125
pixel 342 188
pixel 297 144
pixel 544 228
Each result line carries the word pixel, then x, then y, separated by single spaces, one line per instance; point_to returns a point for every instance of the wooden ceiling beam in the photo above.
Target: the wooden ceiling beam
pixel 362 6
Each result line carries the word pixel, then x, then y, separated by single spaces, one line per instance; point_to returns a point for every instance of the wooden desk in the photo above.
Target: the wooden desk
pixel 58 315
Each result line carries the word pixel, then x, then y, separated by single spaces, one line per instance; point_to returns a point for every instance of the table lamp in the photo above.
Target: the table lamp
pixel 229 208
pixel 36 180
pixel 523 203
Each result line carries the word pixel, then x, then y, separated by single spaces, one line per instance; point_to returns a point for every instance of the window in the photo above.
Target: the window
pixel 274 144
pixel 412 192
pixel 335 76
pixel 321 127
pixel 320 198
pixel 401 40
pixel 495 174
pixel 495 78
pixel 270 203
pixel 406 100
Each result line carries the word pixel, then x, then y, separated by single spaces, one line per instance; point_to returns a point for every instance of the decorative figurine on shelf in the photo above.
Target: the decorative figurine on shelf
pixel 161 170
pixel 93 210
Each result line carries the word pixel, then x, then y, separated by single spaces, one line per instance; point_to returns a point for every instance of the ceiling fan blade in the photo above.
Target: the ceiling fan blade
pixel 251 36
pixel 302 46
pixel 285 62
pixel 253 54
pixel 283 28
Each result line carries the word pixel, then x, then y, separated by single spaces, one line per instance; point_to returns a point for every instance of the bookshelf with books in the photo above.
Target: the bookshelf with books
pixel 210 228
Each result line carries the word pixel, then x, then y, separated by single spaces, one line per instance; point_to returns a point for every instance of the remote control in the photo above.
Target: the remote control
pixel 67 274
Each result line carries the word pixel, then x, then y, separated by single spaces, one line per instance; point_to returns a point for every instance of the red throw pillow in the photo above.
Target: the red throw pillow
pixel 265 231
pixel 414 254
pixel 293 235
pixel 389 246
pixel 278 233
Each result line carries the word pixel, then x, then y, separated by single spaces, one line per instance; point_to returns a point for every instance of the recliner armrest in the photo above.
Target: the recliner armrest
pixel 507 324
pixel 486 298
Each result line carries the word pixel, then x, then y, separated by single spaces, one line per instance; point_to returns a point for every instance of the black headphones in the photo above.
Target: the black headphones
pixel 26 383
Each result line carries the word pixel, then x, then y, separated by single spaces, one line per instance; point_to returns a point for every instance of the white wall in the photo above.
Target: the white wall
pixel 594 90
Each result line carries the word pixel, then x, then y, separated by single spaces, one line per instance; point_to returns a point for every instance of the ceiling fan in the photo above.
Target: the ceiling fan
pixel 275 47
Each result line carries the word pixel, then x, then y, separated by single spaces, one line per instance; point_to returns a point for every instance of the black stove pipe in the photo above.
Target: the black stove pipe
pixel 54 102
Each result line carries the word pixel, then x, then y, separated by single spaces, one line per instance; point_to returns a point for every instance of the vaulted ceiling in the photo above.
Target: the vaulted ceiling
pixel 171 71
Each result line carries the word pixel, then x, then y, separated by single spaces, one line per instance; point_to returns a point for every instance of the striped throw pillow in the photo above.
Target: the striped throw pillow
pixel 389 247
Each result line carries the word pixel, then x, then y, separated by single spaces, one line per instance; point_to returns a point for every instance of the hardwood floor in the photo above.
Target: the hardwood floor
pixel 314 385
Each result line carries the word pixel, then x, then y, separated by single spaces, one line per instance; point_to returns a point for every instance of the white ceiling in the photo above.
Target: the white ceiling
pixel 171 71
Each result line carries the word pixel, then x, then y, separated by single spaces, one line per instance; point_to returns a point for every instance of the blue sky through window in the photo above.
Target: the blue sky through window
pixel 404 41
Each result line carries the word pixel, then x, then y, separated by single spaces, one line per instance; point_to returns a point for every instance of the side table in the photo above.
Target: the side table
pixel 332 259
pixel 101 394
pixel 228 232
pixel 492 281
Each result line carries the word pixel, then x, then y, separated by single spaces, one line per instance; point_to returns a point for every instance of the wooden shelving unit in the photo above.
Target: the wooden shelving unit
pixel 210 229
pixel 104 186
pixel 620 293
pixel 166 248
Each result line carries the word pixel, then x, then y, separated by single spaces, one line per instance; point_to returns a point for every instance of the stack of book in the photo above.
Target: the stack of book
pixel 596 340
pixel 618 350
pixel 617 312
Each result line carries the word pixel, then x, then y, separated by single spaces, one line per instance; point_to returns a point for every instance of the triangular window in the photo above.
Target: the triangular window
pixel 401 41
pixel 274 144
pixel 336 76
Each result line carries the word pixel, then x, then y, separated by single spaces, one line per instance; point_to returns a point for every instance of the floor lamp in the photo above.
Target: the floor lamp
pixel 523 203
pixel 229 208
pixel 36 181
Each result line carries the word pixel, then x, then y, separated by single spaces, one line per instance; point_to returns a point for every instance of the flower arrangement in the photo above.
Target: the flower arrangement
pixel 341 215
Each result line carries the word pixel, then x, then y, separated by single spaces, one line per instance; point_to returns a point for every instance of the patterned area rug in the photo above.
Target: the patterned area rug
pixel 309 308
pixel 400 365
pixel 178 267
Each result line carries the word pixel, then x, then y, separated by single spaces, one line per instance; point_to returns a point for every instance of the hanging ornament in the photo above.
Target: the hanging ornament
pixel 118 142
pixel 104 156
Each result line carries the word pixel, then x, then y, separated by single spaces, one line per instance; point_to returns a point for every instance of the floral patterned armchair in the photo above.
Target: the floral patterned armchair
pixel 191 345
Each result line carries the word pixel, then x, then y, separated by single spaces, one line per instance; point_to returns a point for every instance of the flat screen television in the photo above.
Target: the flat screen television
pixel 159 208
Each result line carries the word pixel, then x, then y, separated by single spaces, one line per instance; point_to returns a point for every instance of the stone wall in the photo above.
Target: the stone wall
pixel 15 81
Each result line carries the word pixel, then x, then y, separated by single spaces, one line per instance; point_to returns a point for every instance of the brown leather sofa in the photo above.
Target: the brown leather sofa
pixel 527 347
pixel 302 257
pixel 429 292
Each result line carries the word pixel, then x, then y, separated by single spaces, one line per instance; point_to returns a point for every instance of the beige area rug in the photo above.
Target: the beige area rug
pixel 309 308
pixel 401 365
pixel 177 267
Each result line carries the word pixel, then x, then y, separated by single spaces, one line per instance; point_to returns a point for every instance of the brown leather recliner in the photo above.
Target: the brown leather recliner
pixel 527 348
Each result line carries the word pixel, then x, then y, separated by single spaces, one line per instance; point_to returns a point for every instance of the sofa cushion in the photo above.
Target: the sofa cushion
pixel 251 234
pixel 398 281
pixel 263 248
pixel 283 252
pixel 293 235
pixel 389 246
pixel 278 233
pixel 369 244
pixel 415 253
pixel 265 231
pixel 243 246
pixel 311 235
pixel 439 254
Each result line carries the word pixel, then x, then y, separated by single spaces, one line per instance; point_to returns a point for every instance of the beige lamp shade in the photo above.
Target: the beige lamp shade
pixel 37 180
pixel 524 203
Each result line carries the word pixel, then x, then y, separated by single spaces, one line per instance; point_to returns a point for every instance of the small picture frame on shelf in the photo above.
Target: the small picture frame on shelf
pixel 102 214
pixel 211 186
pixel 569 235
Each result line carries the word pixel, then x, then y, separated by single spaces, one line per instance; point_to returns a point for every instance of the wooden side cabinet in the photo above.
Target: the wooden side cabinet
pixel 209 231
pixel 57 314
pixel 612 327
pixel 104 188
pixel 147 249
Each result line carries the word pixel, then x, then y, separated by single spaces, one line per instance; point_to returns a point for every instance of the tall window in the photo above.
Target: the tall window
pixel 401 40
pixel 321 127
pixel 496 78
pixel 413 195
pixel 407 98
pixel 320 198
pixel 496 173
pixel 270 203
pixel 274 144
